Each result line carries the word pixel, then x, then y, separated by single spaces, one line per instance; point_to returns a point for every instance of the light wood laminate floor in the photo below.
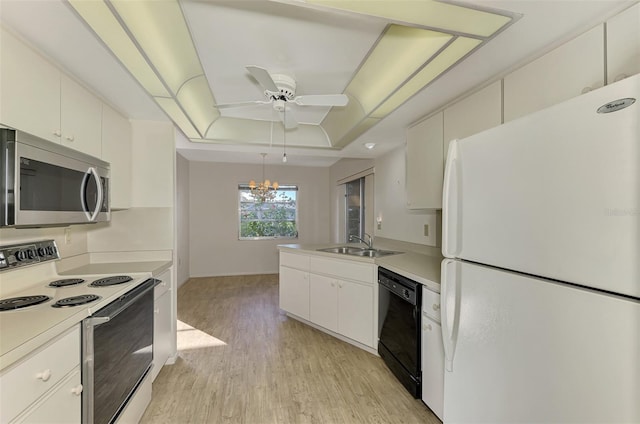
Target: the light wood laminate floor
pixel 242 360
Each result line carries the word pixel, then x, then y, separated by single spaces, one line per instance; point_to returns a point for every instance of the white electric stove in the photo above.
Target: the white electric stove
pixel 36 303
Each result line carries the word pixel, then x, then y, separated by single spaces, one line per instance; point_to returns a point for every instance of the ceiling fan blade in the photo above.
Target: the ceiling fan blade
pixel 263 77
pixel 288 119
pixel 241 104
pixel 322 100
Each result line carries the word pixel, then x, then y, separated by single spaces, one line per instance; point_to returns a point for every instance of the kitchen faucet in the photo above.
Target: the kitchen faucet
pixel 369 243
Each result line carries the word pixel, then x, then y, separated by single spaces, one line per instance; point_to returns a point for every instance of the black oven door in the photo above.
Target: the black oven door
pixel 117 353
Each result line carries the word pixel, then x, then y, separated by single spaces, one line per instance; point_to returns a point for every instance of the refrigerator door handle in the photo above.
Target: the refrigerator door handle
pixel 451 203
pixel 450 309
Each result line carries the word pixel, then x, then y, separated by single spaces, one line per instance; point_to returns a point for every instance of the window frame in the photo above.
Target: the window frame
pixel 283 188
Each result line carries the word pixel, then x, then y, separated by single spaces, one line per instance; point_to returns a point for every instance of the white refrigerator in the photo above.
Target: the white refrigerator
pixel 541 278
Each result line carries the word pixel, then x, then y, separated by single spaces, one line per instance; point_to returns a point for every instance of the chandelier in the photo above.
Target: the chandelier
pixel 265 190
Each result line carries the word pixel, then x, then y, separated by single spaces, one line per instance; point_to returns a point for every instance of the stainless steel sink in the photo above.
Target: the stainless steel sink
pixel 374 253
pixel 357 251
pixel 344 250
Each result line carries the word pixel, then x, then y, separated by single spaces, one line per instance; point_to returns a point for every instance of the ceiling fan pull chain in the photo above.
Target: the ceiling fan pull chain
pixel 284 135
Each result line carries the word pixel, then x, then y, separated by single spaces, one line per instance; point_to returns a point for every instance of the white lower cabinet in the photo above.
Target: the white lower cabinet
pixel 45 386
pixel 432 353
pixel 294 291
pixel 323 301
pixel 162 329
pixel 334 294
pixel 355 312
pixel 343 307
pixel 60 405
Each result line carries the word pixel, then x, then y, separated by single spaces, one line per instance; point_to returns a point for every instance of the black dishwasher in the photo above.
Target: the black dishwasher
pixel 400 301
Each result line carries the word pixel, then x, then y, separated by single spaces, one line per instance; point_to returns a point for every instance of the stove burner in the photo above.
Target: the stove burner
pixel 22 302
pixel 111 281
pixel 75 300
pixel 66 282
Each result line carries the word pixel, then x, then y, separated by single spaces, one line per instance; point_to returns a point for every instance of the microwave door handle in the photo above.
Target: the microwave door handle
pixel 91 216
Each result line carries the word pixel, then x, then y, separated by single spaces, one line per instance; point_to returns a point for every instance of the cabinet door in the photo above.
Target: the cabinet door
pixel 623 44
pixel 432 366
pixel 478 112
pixel 62 405
pixel 162 333
pixel 30 95
pixel 294 291
pixel 425 165
pixel 559 75
pixel 80 118
pixel 323 301
pixel 355 312
pixel 116 149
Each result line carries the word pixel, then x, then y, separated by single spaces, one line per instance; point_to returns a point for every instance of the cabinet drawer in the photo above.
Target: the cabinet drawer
pixel 431 304
pixel 61 405
pixel 38 373
pixel 164 286
pixel 342 269
pixel 294 261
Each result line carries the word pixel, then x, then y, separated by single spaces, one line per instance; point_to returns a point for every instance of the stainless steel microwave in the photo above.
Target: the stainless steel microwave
pixel 47 184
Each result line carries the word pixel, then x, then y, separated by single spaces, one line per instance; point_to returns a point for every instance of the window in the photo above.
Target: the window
pixel 271 218
pixel 354 208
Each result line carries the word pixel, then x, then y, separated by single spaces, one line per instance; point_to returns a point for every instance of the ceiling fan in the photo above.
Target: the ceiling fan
pixel 279 90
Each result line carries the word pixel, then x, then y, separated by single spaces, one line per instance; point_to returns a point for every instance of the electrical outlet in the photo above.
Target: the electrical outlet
pixel 426 230
pixel 379 225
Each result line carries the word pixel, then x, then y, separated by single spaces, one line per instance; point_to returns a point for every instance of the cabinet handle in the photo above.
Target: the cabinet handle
pixel 333 284
pixel 340 285
pixel 57 133
pixel 44 375
pixel 70 137
pixel 427 327
pixel 156 311
pixel 436 307
pixel 77 390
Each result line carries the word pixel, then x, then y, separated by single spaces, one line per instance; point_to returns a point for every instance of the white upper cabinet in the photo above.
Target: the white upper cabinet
pixel 566 72
pixel 37 98
pixel 478 112
pixel 80 118
pixel 116 149
pixel 623 44
pixel 425 166
pixel 30 96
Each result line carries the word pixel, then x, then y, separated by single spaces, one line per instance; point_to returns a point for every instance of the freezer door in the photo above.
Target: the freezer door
pixel 520 349
pixel 556 193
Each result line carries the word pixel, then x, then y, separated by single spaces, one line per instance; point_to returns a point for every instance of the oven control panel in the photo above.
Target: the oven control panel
pixel 19 255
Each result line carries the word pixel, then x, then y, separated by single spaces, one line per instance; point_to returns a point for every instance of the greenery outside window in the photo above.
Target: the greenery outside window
pixel 268 219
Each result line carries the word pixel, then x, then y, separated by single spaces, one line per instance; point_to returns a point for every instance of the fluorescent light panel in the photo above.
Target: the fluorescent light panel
pixel 160 30
pixel 427 13
pixel 176 114
pixel 99 17
pixel 445 60
pixel 398 54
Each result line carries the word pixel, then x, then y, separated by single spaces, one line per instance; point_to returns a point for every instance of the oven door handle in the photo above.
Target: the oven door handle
pixel 96 321
pixel 125 301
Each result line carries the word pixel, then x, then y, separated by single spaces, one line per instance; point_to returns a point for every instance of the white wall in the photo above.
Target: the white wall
pixel 182 220
pixel 398 222
pixel 213 210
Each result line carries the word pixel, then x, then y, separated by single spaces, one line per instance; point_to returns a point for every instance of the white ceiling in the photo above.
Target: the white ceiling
pixel 321 49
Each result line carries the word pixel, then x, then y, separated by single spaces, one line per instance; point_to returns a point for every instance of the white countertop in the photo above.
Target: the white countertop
pixel 419 267
pixel 154 267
